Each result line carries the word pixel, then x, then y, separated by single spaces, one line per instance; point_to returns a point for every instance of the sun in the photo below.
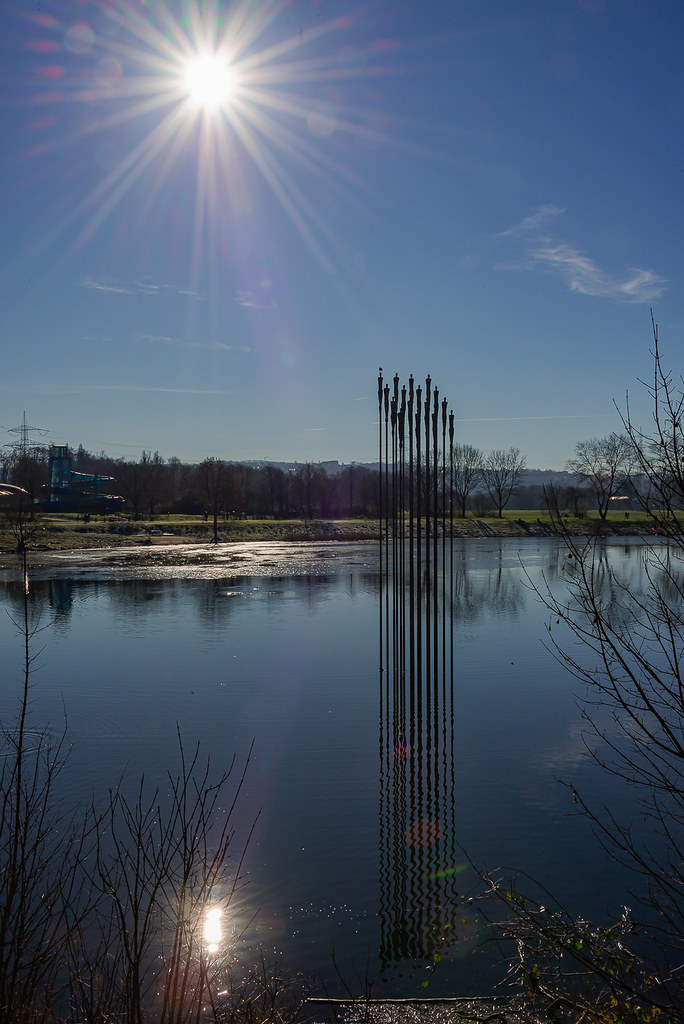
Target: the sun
pixel 238 96
pixel 209 82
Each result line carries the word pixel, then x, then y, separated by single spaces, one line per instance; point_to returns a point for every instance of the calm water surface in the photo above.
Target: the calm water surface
pixel 278 645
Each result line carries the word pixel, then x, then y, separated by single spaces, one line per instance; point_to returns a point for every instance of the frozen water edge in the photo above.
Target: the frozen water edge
pixel 201 561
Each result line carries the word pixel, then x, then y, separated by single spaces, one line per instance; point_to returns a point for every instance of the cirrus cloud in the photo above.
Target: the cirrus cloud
pixel 536 247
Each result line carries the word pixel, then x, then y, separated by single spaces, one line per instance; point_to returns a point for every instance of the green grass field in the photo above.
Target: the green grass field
pixel 55 532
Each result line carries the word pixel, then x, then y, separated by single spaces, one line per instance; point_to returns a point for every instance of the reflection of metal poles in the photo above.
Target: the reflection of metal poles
pixel 416 699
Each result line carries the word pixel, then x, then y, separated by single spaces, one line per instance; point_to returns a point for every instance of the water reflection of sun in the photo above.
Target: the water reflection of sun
pixel 233 89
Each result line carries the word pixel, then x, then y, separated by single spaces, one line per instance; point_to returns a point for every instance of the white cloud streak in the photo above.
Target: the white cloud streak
pixel 516 419
pixel 534 222
pixel 105 286
pixel 250 300
pixel 582 274
pixel 166 391
pixel 141 286
pixel 215 346
pixel 538 249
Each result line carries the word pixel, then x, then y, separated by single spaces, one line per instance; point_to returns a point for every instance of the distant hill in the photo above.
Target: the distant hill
pixel 531 477
pixel 540 477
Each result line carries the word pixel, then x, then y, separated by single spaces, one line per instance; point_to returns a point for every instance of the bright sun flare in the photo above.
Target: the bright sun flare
pixel 209 81
pixel 240 93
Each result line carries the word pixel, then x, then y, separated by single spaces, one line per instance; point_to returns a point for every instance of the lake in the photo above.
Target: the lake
pixel 368 823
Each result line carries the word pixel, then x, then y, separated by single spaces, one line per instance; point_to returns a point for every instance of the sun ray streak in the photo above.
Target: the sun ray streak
pixel 314 160
pixel 277 180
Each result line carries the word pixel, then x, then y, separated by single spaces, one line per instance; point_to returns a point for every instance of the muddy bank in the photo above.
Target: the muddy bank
pixel 292 547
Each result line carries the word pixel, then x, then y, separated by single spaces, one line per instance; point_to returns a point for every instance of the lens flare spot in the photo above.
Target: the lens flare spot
pixel 322 120
pixel 423 833
pixel 52 71
pixel 79 38
pixel 42 45
pixel 108 72
pixel 456 870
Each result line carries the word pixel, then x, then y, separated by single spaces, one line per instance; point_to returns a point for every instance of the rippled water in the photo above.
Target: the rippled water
pixel 277 644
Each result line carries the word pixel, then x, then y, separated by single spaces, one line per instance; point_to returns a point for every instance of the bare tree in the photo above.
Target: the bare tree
pixel 213 480
pixel 502 470
pixel 18 512
pixel 277 489
pixel 155 479
pixel 310 479
pixel 179 477
pixel 41 848
pixel 151 947
pixel 628 650
pixel 604 464
pixel 121 914
pixel 658 457
pixel 30 471
pixel 132 480
pixel 466 474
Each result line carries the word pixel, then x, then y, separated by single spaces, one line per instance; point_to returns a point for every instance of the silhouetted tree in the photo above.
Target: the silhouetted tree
pixel 213 479
pixel 132 482
pixel 627 648
pixel 466 473
pixel 154 480
pixel 310 479
pixel 502 469
pixel 277 489
pixel 657 459
pixel 179 480
pixel 18 513
pixel 30 471
pixel 604 464
pixel 358 487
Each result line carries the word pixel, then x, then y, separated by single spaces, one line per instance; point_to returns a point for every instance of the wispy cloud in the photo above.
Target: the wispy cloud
pixel 250 300
pixel 106 286
pixel 79 389
pixel 515 419
pixel 218 346
pixel 215 346
pixel 141 286
pixel 538 248
pixel 156 339
pixel 147 389
pixel 534 222
pixel 582 274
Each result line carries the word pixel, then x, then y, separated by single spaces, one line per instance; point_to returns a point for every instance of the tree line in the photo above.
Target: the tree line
pixel 475 481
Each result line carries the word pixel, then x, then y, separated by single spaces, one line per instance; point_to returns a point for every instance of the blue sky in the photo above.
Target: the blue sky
pixel 487 191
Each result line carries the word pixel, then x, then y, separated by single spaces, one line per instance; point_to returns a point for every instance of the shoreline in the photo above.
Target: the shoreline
pixel 148 543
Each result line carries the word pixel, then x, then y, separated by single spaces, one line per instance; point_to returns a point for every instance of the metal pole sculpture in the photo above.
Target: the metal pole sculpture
pixel 417 828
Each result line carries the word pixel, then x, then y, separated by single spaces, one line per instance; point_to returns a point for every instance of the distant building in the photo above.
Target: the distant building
pixel 77 492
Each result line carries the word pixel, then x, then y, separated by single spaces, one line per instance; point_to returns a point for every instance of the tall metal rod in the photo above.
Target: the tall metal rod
pixel 435 532
pixel 451 536
pixel 415 493
pixel 412 602
pixel 387 514
pixel 419 540
pixel 428 524
pixel 381 523
pixel 444 535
